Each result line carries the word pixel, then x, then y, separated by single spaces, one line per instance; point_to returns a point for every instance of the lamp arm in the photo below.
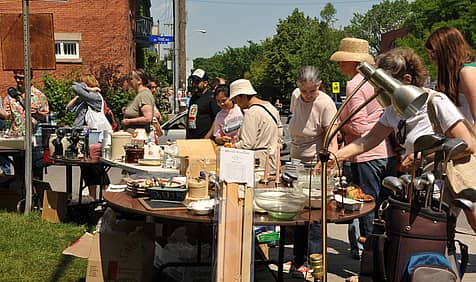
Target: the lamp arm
pixel 328 137
pixel 324 158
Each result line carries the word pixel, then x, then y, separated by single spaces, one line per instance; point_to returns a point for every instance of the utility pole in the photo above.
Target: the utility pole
pixel 179 49
pixel 181 46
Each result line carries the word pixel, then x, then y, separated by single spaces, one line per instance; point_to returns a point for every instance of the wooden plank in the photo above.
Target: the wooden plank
pixel 247 245
pixel 230 241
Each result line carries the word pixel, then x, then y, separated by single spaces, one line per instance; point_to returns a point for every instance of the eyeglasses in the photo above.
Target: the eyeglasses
pixel 16 77
pixel 401 131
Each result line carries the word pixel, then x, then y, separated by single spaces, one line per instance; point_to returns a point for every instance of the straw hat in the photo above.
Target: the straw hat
pixel 353 50
pixel 241 86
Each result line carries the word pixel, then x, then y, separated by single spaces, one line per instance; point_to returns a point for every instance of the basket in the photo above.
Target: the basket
pixel 167 194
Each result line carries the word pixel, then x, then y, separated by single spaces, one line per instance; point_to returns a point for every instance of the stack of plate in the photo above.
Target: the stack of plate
pixel 135 191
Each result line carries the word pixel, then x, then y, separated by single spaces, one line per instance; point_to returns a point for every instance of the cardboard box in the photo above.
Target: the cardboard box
pixel 119 255
pixel 196 155
pixel 54 206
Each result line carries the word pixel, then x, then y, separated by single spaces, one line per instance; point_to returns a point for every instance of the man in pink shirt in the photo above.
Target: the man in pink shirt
pixel 367 169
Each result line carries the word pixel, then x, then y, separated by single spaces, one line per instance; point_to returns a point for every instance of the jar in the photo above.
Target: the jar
pixel 119 139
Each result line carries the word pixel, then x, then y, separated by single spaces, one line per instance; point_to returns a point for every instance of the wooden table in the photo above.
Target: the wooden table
pixel 125 202
pixel 142 169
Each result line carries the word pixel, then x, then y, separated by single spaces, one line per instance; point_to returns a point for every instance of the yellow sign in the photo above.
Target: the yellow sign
pixel 335 87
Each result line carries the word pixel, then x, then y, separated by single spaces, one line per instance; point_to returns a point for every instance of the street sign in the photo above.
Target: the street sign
pixel 162 39
pixel 336 87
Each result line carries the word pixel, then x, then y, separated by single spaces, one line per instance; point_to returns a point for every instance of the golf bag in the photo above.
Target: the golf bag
pixel 409 244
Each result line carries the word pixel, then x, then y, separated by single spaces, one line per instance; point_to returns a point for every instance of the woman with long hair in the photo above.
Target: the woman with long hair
pixel 456 64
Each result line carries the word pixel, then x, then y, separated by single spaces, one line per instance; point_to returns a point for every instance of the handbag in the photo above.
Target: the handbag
pixel 460 173
pixel 97 120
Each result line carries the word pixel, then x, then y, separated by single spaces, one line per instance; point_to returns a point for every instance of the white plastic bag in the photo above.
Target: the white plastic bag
pixel 97 120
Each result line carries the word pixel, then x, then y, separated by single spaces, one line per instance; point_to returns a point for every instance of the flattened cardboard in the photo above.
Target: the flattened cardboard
pixel 54 206
pixel 81 247
pixel 119 255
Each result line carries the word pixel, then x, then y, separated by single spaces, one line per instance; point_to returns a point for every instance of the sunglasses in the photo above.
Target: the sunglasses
pixel 401 131
pixel 16 77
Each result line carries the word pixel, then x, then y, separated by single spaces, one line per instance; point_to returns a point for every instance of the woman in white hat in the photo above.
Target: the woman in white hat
pixel 367 169
pixel 261 128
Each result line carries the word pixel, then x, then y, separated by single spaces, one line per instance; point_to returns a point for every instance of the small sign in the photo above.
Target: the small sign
pixel 162 39
pixel 237 166
pixel 335 87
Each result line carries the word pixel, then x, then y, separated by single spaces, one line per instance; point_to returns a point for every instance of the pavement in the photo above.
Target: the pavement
pixel 340 263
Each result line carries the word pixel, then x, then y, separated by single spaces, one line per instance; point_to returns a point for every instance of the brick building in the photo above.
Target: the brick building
pixel 89 34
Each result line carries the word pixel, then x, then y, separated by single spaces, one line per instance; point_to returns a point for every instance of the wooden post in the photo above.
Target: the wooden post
pixel 234 235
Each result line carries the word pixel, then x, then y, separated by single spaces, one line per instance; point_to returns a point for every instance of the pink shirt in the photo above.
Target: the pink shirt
pixel 363 121
pixel 228 122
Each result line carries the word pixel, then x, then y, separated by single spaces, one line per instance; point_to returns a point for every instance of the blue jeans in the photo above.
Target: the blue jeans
pixel 368 176
pixel 301 239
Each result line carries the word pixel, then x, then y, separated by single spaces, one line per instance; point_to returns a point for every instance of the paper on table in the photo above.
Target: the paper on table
pixel 237 166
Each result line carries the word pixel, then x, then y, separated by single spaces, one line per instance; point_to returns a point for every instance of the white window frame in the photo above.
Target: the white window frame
pixel 63 38
pixel 61 54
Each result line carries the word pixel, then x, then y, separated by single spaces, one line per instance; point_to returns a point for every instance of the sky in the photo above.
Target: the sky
pixel 213 25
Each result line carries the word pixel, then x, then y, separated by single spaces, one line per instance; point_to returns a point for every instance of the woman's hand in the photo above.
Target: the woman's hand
pixel 125 122
pixel 407 163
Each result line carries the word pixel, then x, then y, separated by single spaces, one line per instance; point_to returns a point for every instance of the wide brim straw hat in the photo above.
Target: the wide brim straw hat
pixel 241 86
pixel 353 50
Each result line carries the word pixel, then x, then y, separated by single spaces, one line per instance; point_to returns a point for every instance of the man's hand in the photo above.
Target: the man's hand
pixel 407 163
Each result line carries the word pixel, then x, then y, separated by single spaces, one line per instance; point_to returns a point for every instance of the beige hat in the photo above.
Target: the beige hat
pixel 241 86
pixel 353 50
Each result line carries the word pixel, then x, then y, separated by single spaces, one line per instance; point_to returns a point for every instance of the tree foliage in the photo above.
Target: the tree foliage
pixel 381 18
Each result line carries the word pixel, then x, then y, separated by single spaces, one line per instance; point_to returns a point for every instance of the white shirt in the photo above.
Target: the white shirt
pixel 420 124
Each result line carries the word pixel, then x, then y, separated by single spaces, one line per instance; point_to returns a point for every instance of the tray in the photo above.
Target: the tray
pixel 150 162
pixel 157 205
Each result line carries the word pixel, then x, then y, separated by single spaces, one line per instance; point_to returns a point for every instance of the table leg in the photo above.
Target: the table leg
pixel 282 240
pixel 69 181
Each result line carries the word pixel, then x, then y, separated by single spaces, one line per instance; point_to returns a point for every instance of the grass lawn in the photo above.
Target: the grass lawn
pixel 31 249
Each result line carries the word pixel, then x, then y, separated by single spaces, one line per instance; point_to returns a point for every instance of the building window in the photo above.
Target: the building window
pixel 67 47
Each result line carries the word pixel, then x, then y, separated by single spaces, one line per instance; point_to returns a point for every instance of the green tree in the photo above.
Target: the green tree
pixel 381 18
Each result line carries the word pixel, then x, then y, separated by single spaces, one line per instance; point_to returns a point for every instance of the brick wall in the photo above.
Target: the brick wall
pixel 107 34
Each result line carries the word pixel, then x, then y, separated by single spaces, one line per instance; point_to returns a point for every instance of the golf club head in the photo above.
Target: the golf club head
pixel 427 142
pixel 393 184
pixel 424 181
pixel 464 204
pixel 453 146
pixel 406 179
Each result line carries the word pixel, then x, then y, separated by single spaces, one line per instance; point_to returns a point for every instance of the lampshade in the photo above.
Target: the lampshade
pixel 406 100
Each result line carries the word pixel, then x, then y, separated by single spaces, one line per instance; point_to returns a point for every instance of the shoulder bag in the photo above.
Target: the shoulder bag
pixel 460 173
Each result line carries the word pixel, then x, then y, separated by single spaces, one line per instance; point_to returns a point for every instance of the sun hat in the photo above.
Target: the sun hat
pixel 353 50
pixel 199 74
pixel 241 86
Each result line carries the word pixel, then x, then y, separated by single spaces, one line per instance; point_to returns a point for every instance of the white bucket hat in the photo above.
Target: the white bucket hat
pixel 241 86
pixel 353 50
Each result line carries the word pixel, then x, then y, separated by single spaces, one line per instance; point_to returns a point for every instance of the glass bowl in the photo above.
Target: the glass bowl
pixel 280 203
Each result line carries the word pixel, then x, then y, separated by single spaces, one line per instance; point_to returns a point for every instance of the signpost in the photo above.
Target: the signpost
pixel 161 39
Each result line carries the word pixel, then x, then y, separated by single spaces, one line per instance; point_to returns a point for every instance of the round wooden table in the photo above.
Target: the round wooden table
pixel 123 201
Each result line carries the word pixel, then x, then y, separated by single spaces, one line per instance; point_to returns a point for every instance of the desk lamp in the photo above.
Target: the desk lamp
pixel 406 100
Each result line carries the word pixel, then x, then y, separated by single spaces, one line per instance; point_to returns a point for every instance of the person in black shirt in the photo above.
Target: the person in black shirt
pixel 202 109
